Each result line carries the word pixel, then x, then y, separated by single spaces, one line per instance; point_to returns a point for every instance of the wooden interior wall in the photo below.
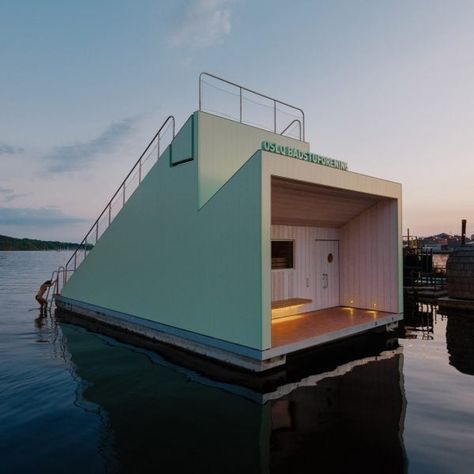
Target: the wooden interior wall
pixel 299 282
pixel 369 259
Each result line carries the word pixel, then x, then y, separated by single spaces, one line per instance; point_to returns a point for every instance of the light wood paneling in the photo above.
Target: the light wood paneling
pixel 298 170
pixel 301 281
pixel 283 308
pixel 369 259
pixel 300 203
pixel 289 302
pixel 287 185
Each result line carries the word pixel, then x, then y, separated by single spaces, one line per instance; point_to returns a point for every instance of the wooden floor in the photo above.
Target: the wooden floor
pixel 294 329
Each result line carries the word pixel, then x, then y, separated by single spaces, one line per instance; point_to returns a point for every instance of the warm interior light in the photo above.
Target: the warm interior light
pixel 349 309
pixel 282 311
pixel 280 319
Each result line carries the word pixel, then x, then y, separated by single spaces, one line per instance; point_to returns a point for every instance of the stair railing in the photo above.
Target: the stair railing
pixel 138 171
pixel 50 293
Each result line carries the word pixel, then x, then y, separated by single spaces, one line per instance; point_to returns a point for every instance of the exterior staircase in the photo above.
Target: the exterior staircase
pixel 128 186
pixel 284 119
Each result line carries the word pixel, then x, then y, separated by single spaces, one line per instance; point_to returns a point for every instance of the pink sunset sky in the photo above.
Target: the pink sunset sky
pixel 386 86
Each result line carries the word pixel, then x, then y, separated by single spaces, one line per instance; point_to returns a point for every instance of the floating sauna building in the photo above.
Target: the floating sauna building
pixel 241 244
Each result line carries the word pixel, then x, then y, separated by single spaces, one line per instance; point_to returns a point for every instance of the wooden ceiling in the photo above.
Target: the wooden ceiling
pixel 300 203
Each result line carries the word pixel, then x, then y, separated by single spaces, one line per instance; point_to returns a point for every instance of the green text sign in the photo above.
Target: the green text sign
pixel 304 155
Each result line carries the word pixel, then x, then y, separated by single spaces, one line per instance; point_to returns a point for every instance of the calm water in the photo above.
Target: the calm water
pixel 73 401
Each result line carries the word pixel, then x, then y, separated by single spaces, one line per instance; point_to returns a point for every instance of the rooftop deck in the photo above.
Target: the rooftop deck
pixel 294 333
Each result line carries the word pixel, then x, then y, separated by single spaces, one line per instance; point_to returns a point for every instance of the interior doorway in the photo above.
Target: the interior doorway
pixel 326 259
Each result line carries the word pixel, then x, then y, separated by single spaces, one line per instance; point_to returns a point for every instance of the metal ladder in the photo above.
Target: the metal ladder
pixel 131 182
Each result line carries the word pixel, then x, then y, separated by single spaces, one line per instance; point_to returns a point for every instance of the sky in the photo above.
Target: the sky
pixel 387 86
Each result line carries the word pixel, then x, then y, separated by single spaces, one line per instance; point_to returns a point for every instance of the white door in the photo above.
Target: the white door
pixel 326 273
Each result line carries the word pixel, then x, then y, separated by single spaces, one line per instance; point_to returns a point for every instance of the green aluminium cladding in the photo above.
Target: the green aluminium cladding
pixel 286 150
pixel 224 146
pixel 191 248
pixel 167 260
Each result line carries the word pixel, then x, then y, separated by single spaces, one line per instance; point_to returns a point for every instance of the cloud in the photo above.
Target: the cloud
pixel 6 149
pixel 204 23
pixel 6 191
pixel 40 217
pixel 8 194
pixel 74 157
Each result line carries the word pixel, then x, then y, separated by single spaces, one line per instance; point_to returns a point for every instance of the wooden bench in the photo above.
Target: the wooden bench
pixel 288 303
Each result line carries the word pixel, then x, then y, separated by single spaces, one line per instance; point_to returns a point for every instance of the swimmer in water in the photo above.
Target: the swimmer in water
pixel 40 295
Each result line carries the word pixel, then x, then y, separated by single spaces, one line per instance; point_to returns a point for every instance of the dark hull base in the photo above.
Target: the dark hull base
pixel 311 362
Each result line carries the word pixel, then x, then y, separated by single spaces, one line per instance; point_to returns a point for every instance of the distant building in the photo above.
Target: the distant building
pixel 433 247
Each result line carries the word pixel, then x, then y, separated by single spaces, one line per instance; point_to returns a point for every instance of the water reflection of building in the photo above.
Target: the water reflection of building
pixel 460 341
pixel 419 320
pixel 348 423
pixel 159 418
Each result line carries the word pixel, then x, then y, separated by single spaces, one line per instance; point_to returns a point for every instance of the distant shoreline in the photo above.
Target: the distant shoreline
pixel 11 243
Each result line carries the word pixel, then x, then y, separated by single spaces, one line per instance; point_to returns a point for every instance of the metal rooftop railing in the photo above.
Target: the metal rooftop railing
pixel 251 108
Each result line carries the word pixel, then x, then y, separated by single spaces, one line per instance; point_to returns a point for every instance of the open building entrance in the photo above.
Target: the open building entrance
pixel 311 284
pixel 334 259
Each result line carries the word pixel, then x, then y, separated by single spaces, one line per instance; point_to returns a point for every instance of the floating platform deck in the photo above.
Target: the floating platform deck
pixel 290 335
pixel 297 332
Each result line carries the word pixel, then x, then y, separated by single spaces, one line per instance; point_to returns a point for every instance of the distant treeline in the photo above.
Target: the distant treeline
pixel 11 243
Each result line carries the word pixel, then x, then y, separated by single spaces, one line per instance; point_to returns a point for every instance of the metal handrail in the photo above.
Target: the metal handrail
pixel 294 121
pixel 242 88
pixel 108 208
pixel 53 279
pixel 55 275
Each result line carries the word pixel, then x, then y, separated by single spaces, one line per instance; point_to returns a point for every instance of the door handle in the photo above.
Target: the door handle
pixel 324 280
